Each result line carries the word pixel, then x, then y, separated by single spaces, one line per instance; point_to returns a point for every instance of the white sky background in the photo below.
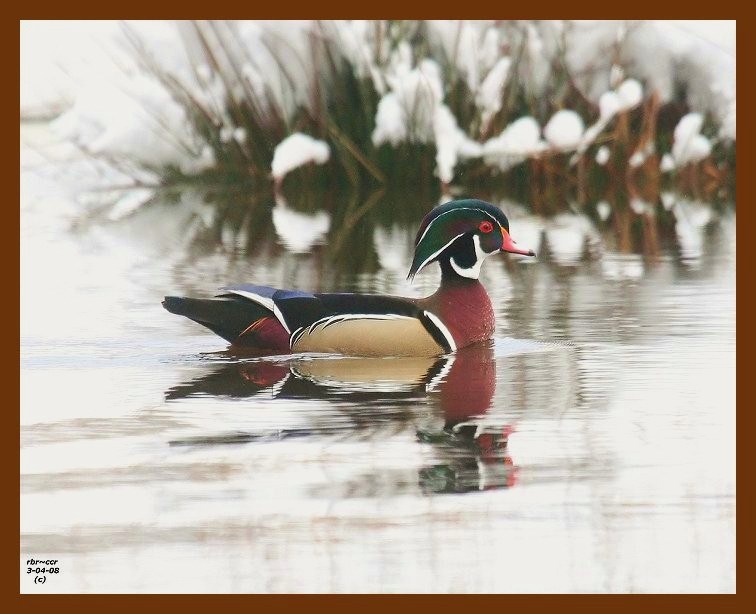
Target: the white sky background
pixel 52 52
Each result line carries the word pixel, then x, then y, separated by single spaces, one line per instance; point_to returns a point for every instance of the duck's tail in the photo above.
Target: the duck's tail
pixel 233 318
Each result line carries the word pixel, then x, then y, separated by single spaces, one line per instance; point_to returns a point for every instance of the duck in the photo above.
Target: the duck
pixel 458 235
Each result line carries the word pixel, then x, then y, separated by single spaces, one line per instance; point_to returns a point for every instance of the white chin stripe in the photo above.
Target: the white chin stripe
pixel 474 271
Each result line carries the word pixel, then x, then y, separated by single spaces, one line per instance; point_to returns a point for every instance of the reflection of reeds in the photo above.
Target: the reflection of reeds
pixel 341 108
pixel 344 234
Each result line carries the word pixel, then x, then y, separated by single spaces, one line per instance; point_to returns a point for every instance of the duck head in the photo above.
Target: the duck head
pixel 461 234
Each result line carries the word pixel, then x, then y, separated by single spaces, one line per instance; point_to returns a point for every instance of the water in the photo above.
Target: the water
pixel 590 447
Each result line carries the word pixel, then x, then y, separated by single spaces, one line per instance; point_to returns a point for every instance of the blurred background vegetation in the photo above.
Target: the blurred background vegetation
pixel 605 118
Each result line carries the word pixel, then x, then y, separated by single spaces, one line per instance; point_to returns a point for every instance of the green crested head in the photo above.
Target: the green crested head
pixel 461 234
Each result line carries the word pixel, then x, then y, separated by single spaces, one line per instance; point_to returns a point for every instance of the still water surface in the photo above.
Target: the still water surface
pixel 589 447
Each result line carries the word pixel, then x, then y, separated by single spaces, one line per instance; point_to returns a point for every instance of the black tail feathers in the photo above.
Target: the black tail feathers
pixel 225 316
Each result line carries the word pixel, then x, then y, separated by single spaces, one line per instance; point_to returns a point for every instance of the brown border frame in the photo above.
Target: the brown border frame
pixel 274 603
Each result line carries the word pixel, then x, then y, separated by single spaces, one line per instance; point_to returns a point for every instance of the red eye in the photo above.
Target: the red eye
pixel 486 226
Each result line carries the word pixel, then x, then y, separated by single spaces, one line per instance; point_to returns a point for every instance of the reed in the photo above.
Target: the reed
pixel 241 122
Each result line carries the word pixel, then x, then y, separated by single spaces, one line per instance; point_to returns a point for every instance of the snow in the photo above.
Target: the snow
pixel 641 207
pixel 473 48
pixel 700 55
pixel 616 75
pixel 519 140
pixel 297 150
pixel 564 130
pixel 390 125
pixel 689 145
pixel 137 120
pixel 604 210
pixel 489 97
pixel 609 105
pixel 602 155
pixel 407 111
pixel 641 155
pixel 451 143
pixel 413 111
pixel 114 109
pixel 358 44
pixel 240 135
pixel 630 94
pixel 667 163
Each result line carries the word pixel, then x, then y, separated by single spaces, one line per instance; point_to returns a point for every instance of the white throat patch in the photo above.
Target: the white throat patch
pixel 474 271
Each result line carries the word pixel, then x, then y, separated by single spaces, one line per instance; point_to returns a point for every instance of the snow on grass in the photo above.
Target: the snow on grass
pixel 390 122
pixel 297 150
pixel 473 48
pixel 407 111
pixel 689 146
pixel 451 144
pixel 518 141
pixel 489 98
pixel 119 109
pixel 630 94
pixel 641 155
pixel 359 45
pixel 604 210
pixel 137 120
pixel 667 164
pixel 564 130
pixel 602 155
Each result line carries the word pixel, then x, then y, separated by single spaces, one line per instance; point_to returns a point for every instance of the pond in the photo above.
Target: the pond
pixel 590 447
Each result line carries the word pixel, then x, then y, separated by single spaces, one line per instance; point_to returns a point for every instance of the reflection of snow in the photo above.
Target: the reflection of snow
pixel 299 232
pixel 622 266
pixel 394 247
pixel 527 231
pixel 130 202
pixel 692 217
pixel 567 235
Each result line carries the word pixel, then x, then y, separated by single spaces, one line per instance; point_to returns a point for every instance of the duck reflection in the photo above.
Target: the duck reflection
pixel 471 454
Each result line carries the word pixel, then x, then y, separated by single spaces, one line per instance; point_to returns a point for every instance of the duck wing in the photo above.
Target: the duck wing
pixel 353 324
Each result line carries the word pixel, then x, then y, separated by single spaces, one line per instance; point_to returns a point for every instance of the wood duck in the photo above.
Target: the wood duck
pixel 459 235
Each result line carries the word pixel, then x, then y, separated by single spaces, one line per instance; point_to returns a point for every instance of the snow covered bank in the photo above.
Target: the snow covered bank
pixel 198 96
